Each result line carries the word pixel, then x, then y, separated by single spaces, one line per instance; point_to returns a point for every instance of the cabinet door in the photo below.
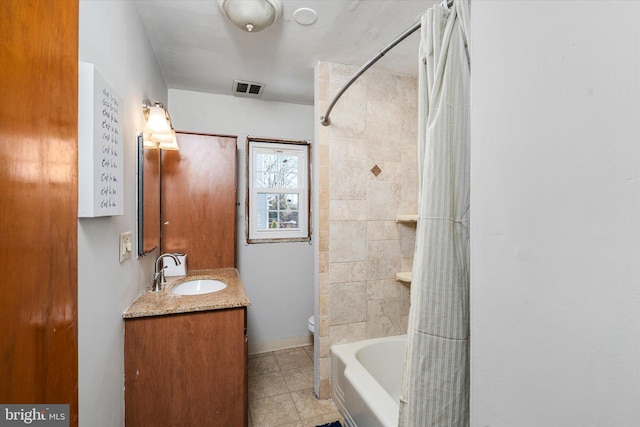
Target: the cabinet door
pixel 186 369
pixel 199 200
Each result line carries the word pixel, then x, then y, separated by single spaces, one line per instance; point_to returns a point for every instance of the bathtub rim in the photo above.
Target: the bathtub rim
pixel 363 381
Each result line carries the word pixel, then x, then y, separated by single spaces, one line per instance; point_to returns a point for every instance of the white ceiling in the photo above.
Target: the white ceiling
pixel 199 49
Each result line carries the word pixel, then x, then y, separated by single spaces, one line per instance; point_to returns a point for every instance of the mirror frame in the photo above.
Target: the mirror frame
pixel 140 164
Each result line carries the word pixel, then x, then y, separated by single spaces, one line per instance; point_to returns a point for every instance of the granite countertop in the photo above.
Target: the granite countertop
pixel 164 302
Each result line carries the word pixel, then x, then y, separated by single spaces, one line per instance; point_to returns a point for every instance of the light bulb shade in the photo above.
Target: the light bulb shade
pixel 251 15
pixel 158 131
pixel 167 142
pixel 157 122
pixel 147 142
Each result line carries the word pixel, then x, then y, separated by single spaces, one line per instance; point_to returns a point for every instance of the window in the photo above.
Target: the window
pixel 278 193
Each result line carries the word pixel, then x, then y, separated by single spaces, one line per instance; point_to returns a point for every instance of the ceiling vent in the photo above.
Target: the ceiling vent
pixel 251 89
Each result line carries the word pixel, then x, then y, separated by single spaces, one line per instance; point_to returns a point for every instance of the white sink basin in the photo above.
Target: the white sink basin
pixel 198 287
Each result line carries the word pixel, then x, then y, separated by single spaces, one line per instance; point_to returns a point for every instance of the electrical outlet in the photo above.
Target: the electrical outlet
pixel 125 245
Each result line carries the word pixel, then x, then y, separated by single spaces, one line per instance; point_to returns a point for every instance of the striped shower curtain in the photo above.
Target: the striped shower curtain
pixel 435 388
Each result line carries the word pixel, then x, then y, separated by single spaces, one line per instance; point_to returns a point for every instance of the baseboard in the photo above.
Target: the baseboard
pixel 266 346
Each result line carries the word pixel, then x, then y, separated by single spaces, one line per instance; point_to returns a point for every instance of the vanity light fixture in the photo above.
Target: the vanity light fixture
pixel 168 142
pixel 251 15
pixel 158 130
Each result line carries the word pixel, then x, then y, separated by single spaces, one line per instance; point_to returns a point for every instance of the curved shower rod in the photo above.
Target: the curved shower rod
pixel 324 119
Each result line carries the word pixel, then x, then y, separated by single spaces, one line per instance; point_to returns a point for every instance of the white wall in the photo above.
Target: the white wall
pixel 555 213
pixel 112 38
pixel 278 277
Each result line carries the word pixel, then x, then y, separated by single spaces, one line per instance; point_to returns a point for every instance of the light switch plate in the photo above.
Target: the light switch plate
pixel 125 245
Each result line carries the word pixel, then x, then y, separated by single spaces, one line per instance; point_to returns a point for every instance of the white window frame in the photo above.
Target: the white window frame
pixel 302 232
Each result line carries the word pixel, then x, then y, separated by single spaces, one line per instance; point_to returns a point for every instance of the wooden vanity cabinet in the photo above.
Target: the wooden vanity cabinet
pixel 186 369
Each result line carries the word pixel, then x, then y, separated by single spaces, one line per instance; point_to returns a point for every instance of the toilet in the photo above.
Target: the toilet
pixel 311 324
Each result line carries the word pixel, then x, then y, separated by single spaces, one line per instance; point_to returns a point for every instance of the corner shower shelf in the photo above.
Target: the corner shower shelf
pixel 407 218
pixel 404 276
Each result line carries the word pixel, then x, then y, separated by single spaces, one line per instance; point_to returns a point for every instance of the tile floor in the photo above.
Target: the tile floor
pixel 281 391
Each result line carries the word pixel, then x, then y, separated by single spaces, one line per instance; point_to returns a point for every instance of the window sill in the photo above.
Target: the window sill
pixel 281 240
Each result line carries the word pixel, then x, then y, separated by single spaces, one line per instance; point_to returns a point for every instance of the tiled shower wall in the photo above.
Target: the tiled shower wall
pixel 361 247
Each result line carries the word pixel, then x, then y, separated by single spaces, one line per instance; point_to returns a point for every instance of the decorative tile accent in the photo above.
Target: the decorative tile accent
pixel 376 170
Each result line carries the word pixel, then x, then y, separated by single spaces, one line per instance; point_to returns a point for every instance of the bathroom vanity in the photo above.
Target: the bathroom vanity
pixel 186 355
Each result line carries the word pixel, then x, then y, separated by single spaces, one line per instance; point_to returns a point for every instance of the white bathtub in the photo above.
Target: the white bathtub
pixel 365 380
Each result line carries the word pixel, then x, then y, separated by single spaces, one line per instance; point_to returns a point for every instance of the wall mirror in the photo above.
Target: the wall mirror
pixel 148 198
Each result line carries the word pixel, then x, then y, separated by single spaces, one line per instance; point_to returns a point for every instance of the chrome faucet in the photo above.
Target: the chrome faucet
pixel 158 275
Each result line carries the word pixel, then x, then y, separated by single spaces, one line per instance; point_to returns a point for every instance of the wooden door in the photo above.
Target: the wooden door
pixel 38 203
pixel 198 200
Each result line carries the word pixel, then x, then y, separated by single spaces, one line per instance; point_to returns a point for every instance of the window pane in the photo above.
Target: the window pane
pixel 276 210
pixel 272 202
pixel 261 211
pixel 273 220
pixel 276 171
pixel 291 201
pixel 289 219
pixel 265 180
pixel 290 179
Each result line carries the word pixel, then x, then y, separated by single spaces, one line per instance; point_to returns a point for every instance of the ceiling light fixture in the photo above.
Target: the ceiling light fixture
pixel 251 15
